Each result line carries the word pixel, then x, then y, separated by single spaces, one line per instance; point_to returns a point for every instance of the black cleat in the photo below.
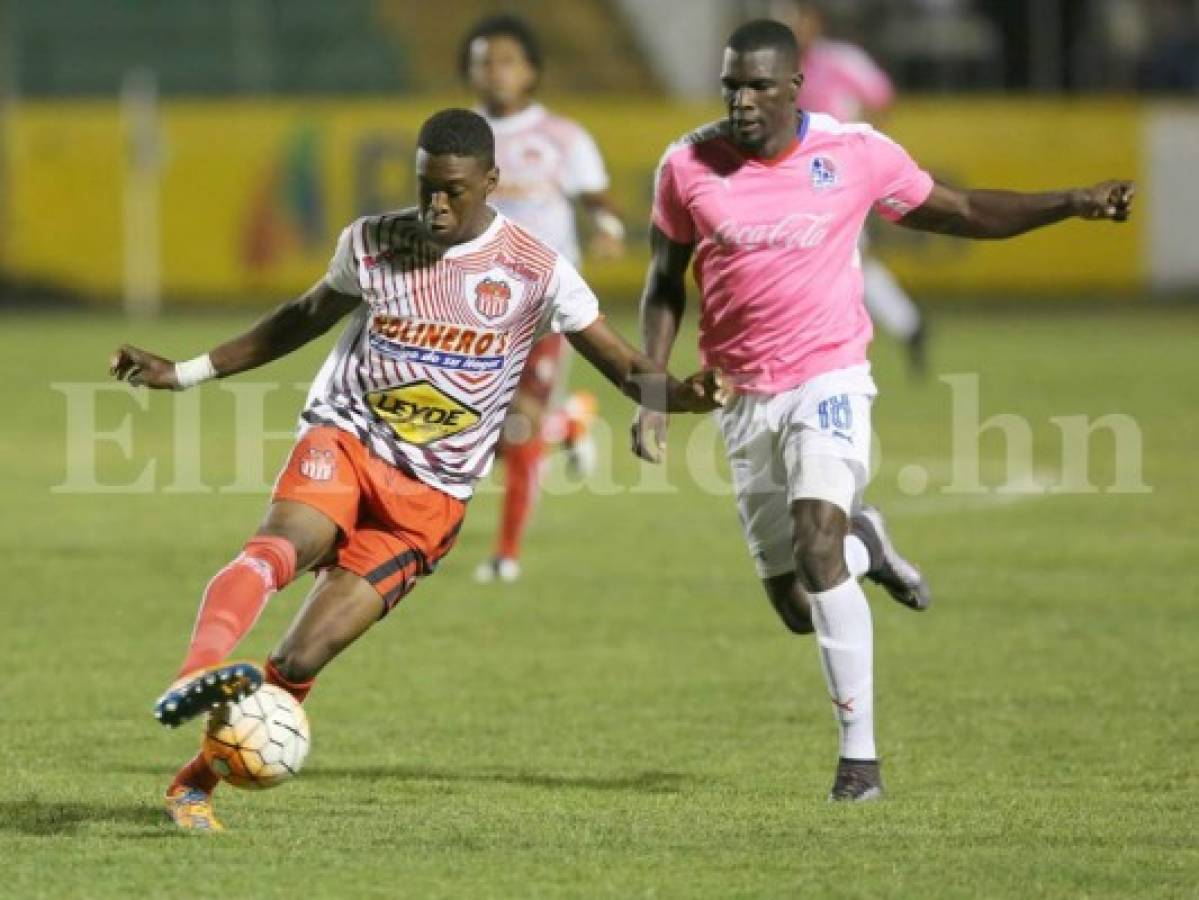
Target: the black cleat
pixel 206 689
pixel 857 781
pixel 900 578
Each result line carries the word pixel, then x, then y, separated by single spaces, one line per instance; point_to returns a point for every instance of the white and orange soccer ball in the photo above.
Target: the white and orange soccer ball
pixel 258 742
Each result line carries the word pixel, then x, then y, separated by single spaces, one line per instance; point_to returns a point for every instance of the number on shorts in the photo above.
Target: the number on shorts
pixel 835 412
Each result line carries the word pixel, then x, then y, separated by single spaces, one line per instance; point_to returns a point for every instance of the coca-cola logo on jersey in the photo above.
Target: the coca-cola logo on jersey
pixel 798 231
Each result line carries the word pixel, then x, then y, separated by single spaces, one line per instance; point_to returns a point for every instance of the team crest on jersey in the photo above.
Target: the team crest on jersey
pixel 824 173
pixel 492 297
pixel 318 465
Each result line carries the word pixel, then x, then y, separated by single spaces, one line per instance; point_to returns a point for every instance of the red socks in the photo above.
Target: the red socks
pixel 522 464
pixel 235 597
pixel 298 689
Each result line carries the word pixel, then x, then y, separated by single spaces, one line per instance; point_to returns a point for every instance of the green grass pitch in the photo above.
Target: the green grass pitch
pixel 630 720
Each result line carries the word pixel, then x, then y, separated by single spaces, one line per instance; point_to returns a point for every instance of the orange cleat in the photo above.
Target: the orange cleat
pixel 191 809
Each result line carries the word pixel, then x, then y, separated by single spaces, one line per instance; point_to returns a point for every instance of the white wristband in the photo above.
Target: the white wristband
pixel 194 371
pixel 608 223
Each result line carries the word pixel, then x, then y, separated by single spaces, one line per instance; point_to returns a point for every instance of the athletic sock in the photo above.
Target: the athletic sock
pixel 298 689
pixel 857 556
pixel 522 465
pixel 841 616
pixel 235 597
pixel 556 427
pixel 196 774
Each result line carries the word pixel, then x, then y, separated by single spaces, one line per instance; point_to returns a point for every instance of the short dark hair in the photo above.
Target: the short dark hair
pixel 501 26
pixel 458 132
pixel 765 34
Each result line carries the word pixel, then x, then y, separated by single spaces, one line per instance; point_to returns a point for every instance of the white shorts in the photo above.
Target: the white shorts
pixel 812 441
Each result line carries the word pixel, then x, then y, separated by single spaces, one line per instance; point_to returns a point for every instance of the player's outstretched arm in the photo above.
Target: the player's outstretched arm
pixel 663 302
pixel 1004 214
pixel 643 380
pixel 286 328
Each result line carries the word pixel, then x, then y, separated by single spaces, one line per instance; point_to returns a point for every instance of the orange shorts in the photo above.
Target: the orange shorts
pixel 394 528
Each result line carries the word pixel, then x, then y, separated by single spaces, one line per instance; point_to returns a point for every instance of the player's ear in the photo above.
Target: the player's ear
pixel 493 179
pixel 797 82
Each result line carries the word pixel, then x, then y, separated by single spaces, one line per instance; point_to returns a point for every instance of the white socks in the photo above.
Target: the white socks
pixel 857 557
pixel 843 628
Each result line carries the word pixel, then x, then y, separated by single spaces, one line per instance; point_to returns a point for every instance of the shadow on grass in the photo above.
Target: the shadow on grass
pixel 651 782
pixel 641 782
pixel 47 818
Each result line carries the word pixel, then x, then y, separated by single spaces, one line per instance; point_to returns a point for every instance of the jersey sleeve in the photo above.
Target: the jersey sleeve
pixel 343 268
pixel 670 213
pixel 584 172
pixel 572 305
pixel 900 185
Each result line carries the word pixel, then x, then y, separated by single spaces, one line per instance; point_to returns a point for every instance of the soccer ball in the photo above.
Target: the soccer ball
pixel 258 742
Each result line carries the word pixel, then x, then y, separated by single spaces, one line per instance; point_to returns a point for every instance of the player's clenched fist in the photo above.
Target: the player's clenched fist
pixel 703 392
pixel 1106 200
pixel 143 369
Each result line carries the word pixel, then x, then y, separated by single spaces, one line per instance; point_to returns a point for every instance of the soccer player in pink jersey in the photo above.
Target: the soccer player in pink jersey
pixel 549 165
pixel 445 302
pixel 841 79
pixel 766 206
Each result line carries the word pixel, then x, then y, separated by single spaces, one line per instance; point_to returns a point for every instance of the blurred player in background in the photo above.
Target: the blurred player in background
pixel 770 202
pixel 840 79
pixel 445 302
pixel 548 165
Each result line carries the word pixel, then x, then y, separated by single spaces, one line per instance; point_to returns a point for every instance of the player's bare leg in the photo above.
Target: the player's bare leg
pixel 841 617
pixel 340 608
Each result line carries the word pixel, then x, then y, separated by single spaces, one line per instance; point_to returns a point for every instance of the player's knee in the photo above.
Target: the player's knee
pixel 819 528
pixel 790 602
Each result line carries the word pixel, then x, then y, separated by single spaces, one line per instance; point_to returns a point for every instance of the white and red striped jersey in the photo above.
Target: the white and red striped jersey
pixel 427 366
pixel 545 161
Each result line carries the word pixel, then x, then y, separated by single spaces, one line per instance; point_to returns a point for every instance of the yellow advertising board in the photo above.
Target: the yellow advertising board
pixel 254 193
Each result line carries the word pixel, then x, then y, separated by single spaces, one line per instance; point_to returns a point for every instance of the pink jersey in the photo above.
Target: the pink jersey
pixel 775 241
pixel 842 80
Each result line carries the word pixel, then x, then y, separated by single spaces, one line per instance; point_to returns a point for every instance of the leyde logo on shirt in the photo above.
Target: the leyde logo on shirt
pixel 421 413
pixel 493 297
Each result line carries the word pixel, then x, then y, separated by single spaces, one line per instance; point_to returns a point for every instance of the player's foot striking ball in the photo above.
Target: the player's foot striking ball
pixel 900 578
pixel 206 689
pixel 857 781
pixel 445 303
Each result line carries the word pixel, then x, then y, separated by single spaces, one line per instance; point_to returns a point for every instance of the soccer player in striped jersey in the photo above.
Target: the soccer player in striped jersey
pixel 770 202
pixel 445 302
pixel 549 166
